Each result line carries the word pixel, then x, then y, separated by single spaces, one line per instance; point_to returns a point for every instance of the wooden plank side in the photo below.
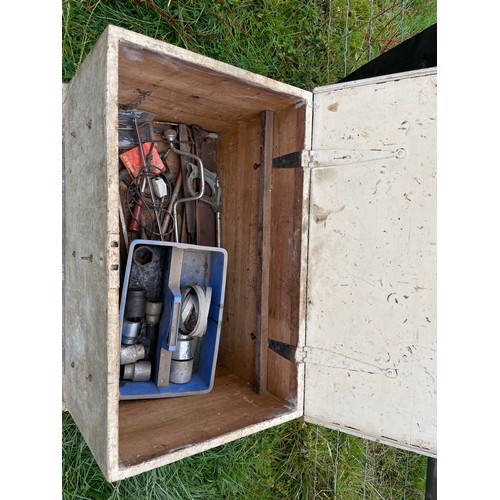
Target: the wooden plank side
pixel 91 252
pixel 186 87
pixel 371 318
pixel 238 152
pixel 285 285
pixel 63 357
pixel 264 245
pixel 286 230
pixel 282 378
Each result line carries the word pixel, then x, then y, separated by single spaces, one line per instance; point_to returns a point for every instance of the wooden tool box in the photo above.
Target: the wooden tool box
pixel 329 221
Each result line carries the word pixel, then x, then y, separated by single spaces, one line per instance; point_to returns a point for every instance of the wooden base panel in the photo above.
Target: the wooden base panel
pixel 151 428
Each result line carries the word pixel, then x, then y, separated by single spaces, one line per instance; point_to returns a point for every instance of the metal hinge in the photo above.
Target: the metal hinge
pixel 287 351
pixel 335 157
pixel 290 160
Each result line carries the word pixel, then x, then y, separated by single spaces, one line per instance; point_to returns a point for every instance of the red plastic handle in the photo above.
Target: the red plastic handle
pixel 133 225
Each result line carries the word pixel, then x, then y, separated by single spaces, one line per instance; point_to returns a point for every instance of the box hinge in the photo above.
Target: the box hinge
pixel 287 351
pixel 291 160
pixel 336 157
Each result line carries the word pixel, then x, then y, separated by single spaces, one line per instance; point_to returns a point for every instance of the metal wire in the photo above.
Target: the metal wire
pixel 336 465
pixel 402 19
pixel 394 28
pixel 315 463
pixel 366 469
pixel 135 192
pixel 346 35
pixel 370 32
pixel 328 38
pixel 406 474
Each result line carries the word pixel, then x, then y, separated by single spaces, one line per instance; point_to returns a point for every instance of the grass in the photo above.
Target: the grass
pixel 292 461
pixel 302 43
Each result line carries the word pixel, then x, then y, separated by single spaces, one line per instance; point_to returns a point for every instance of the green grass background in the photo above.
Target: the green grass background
pixel 302 43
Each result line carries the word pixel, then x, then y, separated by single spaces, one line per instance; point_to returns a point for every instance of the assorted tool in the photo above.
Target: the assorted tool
pixel 166 296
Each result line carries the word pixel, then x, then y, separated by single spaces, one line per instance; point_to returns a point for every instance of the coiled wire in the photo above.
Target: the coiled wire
pixel 195 307
pixel 160 207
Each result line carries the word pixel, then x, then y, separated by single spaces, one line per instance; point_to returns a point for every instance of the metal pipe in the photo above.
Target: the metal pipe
pixel 175 194
pixel 145 164
pixel 151 192
pixel 170 136
pixel 431 479
pixel 139 140
pixel 217 215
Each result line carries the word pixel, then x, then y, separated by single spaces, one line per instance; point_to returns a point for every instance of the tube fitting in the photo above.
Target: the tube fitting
pixel 181 372
pixel 153 311
pixel 184 351
pixel 132 353
pixel 137 372
pixel 135 305
pixel 130 331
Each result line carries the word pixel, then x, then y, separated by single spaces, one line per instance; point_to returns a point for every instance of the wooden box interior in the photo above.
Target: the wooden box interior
pixel 180 92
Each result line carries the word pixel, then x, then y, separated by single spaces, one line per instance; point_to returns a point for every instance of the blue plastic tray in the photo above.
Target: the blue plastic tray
pixel 203 266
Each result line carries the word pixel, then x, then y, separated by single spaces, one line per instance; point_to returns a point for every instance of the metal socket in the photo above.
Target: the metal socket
pixel 137 372
pixel 181 372
pixel 135 305
pixel 153 311
pixel 184 350
pixel 132 353
pixel 143 255
pixel 130 331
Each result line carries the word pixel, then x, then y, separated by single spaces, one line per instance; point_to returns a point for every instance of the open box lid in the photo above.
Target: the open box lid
pixel 370 352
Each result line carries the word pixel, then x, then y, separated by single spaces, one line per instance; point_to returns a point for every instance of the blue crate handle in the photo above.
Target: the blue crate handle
pixel 169 337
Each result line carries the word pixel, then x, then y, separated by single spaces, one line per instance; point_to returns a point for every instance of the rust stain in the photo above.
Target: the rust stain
pixel 333 107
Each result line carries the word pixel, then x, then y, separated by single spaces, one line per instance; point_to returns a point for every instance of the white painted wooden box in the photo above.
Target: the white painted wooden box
pixel 329 220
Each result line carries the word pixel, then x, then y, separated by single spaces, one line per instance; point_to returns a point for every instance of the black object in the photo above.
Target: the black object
pixel 418 52
pixel 431 480
pixel 286 351
pixel 135 306
pixel 290 160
